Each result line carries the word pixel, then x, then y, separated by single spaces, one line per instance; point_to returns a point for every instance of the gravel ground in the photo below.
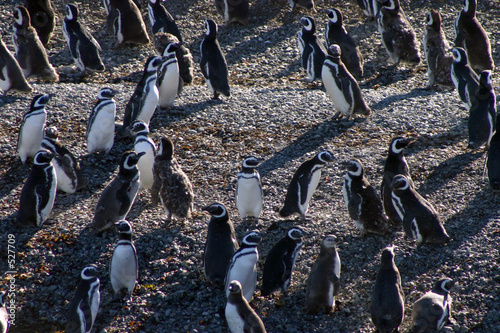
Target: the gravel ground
pixel 274 114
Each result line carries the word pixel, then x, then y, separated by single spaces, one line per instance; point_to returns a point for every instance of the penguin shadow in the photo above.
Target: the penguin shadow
pixel 15 174
pixel 415 92
pixel 12 97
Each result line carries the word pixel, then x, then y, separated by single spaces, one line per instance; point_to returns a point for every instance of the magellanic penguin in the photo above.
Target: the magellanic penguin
pixel 161 20
pixel 482 113
pixel 30 53
pixel 280 260
pixel 39 191
pixel 369 7
pixel 464 78
pixel 124 267
pixel 11 74
pixel 362 201
pixel 43 18
pixel 437 54
pixel 220 244
pixel 239 314
pixel 69 174
pixel 341 86
pixel 312 52
pixel 249 195
pixel 143 143
pixel 184 56
pixel 84 306
pixel 420 220
pixel 82 45
pixel 493 158
pixel 473 38
pixel 397 35
pixel 126 19
pixel 432 311
pixel 213 62
pixel 32 128
pixel 171 186
pixel 4 316
pixel 243 265
pixel 100 134
pixel 234 11
pixel 168 80
pixel 395 164
pixel 387 306
pixel 303 184
pixel 117 198
pixel 335 33
pixel 323 283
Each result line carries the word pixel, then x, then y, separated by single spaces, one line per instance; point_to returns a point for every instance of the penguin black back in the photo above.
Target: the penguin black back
pixel 482 112
pixel 493 158
pixel 161 20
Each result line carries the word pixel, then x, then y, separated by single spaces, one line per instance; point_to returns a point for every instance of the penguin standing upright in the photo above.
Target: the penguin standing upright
pixel 278 267
pixel 234 11
pixel 213 62
pixel 4 316
pixel 161 20
pixel 171 185
pixel 312 52
pixel 420 219
pixel 303 184
pixel 341 86
pixel 184 56
pixel 143 143
pixel 323 282
pixel 30 53
pixel 117 198
pixel 482 113
pixel 126 19
pixel 362 201
pixel 124 267
pixel 239 314
pixel 168 80
pixel 43 18
pixel 335 33
pixel 387 307
pixel 249 194
pixel 39 191
pixel 470 35
pixel 31 131
pixel 464 78
pixel 100 133
pixel 82 45
pixel 220 245
pixel 493 158
pixel 11 74
pixel 243 265
pixel 84 306
pixel 69 174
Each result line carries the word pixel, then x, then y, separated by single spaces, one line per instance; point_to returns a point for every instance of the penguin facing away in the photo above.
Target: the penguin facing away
pixel 482 113
pixel 184 56
pixel 323 283
pixel 239 314
pixel 124 267
pixel 464 78
pixel 234 11
pixel 100 135
pixel 143 143
pixel 161 20
pixel 4 316
pixel 42 18
pixel 126 19
pixel 168 80
pixel 312 52
pixel 493 158
pixel 249 195
pixel 11 74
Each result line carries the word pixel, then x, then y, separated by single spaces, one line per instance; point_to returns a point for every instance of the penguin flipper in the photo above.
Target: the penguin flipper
pixel 124 201
pixel 354 206
pixel 336 283
pixel 68 166
pixel 407 223
pixel 388 36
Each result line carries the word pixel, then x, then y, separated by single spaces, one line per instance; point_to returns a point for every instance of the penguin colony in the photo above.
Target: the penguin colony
pixel 224 261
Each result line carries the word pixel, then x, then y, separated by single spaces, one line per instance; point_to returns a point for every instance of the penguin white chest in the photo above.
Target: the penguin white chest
pixel 248 196
pixel 31 136
pixel 244 270
pixel 168 83
pixel 398 205
pixel 94 300
pixel 123 268
pixel 336 93
pixel 151 97
pixel 145 164
pixel 101 133
pixel 234 321
pixel 5 84
pixel 51 177
pixel 310 188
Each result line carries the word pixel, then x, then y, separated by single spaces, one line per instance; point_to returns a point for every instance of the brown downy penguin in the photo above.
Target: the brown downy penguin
pixel 11 74
pixel 241 318
pixel 126 20
pixel 43 18
pixel 184 56
pixel 234 11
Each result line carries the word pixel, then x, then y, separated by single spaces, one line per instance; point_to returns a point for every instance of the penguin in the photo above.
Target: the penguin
pixel 84 306
pixel 362 201
pixel 32 127
pixel 306 4
pixel 249 195
pixel 30 53
pixel 100 135
pixel 482 113
pixel 243 265
pixel 126 19
pixel 436 47
pixel 336 33
pixel 184 56
pixel 161 20
pixel 397 35
pixel 239 314
pixel 220 244
pixel 493 158
pixel 387 306
pixel 470 35
pixel 117 198
pixel 369 7
pixel 420 219
pixel 82 45
pixel 278 267
pixel 39 191
pixel 171 186
pixel 312 53
pixel 464 78
pixel 43 18
pixel 124 267
pixel 168 79
pixel 341 86
pixel 4 316
pixel 213 62
pixel 11 74
pixel 143 143
pixel 323 283
pixel 303 184
pixel 234 11
pixel 143 102
pixel 395 164
pixel 69 174
pixel 432 311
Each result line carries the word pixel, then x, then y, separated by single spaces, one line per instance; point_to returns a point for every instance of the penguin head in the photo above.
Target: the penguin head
pixel 433 19
pixel 89 272
pixel 51 133
pixel 443 286
pixel 211 27
pixel 355 168
pixel 485 80
pixel 295 233
pixel 235 287
pixel 400 183
pixel 252 238
pixel 330 241
pixel 152 64
pixel 139 126
pixel 21 17
pixel 398 144
pixel 250 162
pixel 162 39
pixel 334 16
pixel 166 149
pixel 39 101
pixel 71 12
pixel 460 55
pixel 334 51
pixel 390 5
pixel 470 7
pixel 325 157
pixel 106 93
pixel 43 157
pixel 217 210
pixel 123 227
pixel 170 48
pixel 387 255
pixel 308 24
pixel 129 160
